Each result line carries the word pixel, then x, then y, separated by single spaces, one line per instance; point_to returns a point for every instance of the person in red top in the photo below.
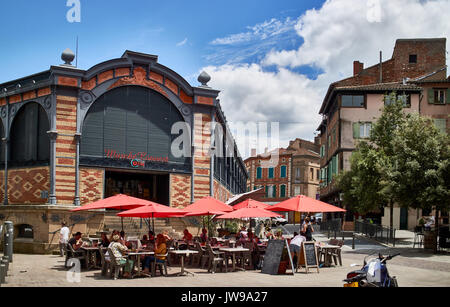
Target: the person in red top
pixel 187 235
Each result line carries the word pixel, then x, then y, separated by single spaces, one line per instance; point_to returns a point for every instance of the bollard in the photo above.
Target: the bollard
pixel 6 260
pixel 2 274
pixel 353 241
pixel 6 264
pixel 8 240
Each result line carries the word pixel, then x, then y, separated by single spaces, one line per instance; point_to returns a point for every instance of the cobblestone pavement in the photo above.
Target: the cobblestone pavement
pixel 48 270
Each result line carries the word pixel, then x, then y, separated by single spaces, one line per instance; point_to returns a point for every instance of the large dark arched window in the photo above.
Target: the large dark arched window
pixel 29 140
pixel 130 119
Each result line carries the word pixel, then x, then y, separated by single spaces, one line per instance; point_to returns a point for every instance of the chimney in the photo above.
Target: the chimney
pixel 357 67
pixel 253 152
pixel 317 140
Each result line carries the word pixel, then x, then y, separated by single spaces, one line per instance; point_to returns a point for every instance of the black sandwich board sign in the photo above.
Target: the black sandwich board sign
pixel 272 257
pixel 308 256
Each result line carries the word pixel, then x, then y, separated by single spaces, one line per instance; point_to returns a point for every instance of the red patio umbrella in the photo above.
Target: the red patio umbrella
pixel 153 210
pixel 302 203
pixel 117 202
pixel 207 206
pixel 250 203
pixel 252 212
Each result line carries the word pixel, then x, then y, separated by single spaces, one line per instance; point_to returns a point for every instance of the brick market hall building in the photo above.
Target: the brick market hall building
pixel 72 136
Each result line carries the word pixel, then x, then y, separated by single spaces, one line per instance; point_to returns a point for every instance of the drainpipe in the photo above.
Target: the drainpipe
pixel 5 141
pixel 212 152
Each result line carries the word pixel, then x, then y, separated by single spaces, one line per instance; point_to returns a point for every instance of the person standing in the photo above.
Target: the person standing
pixel 63 238
pixel 307 229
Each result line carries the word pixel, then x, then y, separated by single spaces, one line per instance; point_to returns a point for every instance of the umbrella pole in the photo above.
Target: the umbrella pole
pixel 153 222
pixel 121 220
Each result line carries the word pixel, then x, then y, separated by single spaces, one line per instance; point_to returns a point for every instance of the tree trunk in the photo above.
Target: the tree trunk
pixel 436 224
pixel 391 219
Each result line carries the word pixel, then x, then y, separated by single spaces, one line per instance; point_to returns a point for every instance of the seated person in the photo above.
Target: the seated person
pixel 76 241
pixel 144 241
pixel 165 233
pixel 160 251
pixel 151 236
pixel 119 250
pixel 187 237
pixel 204 235
pixel 104 241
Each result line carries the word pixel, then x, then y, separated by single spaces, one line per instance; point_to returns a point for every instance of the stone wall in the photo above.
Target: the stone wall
pixel 46 222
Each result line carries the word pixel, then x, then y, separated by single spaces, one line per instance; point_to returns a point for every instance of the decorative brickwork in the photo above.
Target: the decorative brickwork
pixel 26 184
pixel 220 192
pixel 29 95
pixel 67 81
pixel 205 100
pixel 180 190
pixel 90 84
pixel 172 86
pixel 139 78
pixel 66 124
pixel 15 99
pixel 202 141
pixel 91 185
pixel 104 76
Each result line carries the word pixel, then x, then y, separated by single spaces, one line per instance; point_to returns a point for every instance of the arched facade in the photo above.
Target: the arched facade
pixel 75 136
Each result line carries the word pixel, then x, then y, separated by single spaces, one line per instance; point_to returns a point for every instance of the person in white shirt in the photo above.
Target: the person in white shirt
pixel 296 243
pixel 63 238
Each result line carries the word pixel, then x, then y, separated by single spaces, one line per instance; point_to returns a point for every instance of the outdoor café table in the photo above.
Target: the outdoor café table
pixel 90 256
pixel 138 255
pixel 327 250
pixel 182 254
pixel 233 251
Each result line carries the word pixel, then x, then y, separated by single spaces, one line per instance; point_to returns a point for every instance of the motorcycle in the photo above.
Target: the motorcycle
pixel 374 273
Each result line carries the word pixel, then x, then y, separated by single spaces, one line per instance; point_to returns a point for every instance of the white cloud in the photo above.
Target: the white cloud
pixel 259 31
pixel 335 35
pixel 182 43
pixel 250 94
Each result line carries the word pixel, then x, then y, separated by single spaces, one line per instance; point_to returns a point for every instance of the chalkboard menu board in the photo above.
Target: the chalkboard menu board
pixel 308 257
pixel 272 256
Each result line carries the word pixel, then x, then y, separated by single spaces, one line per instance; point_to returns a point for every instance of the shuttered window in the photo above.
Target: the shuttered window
pixel 283 190
pixel 131 120
pixel 271 172
pixel 29 138
pixel 283 171
pixel 259 173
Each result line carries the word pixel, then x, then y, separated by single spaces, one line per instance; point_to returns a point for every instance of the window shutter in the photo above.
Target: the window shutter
pixel 337 164
pixel 447 96
pixel 267 191
pixel 274 191
pixel 356 130
pixel 431 96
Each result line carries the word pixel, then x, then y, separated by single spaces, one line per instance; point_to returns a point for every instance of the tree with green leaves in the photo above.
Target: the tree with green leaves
pixel 420 173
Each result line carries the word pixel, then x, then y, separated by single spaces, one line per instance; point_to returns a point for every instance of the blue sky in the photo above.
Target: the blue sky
pixel 34 33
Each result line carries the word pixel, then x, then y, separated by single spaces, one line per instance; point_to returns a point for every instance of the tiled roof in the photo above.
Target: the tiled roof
pixel 392 86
